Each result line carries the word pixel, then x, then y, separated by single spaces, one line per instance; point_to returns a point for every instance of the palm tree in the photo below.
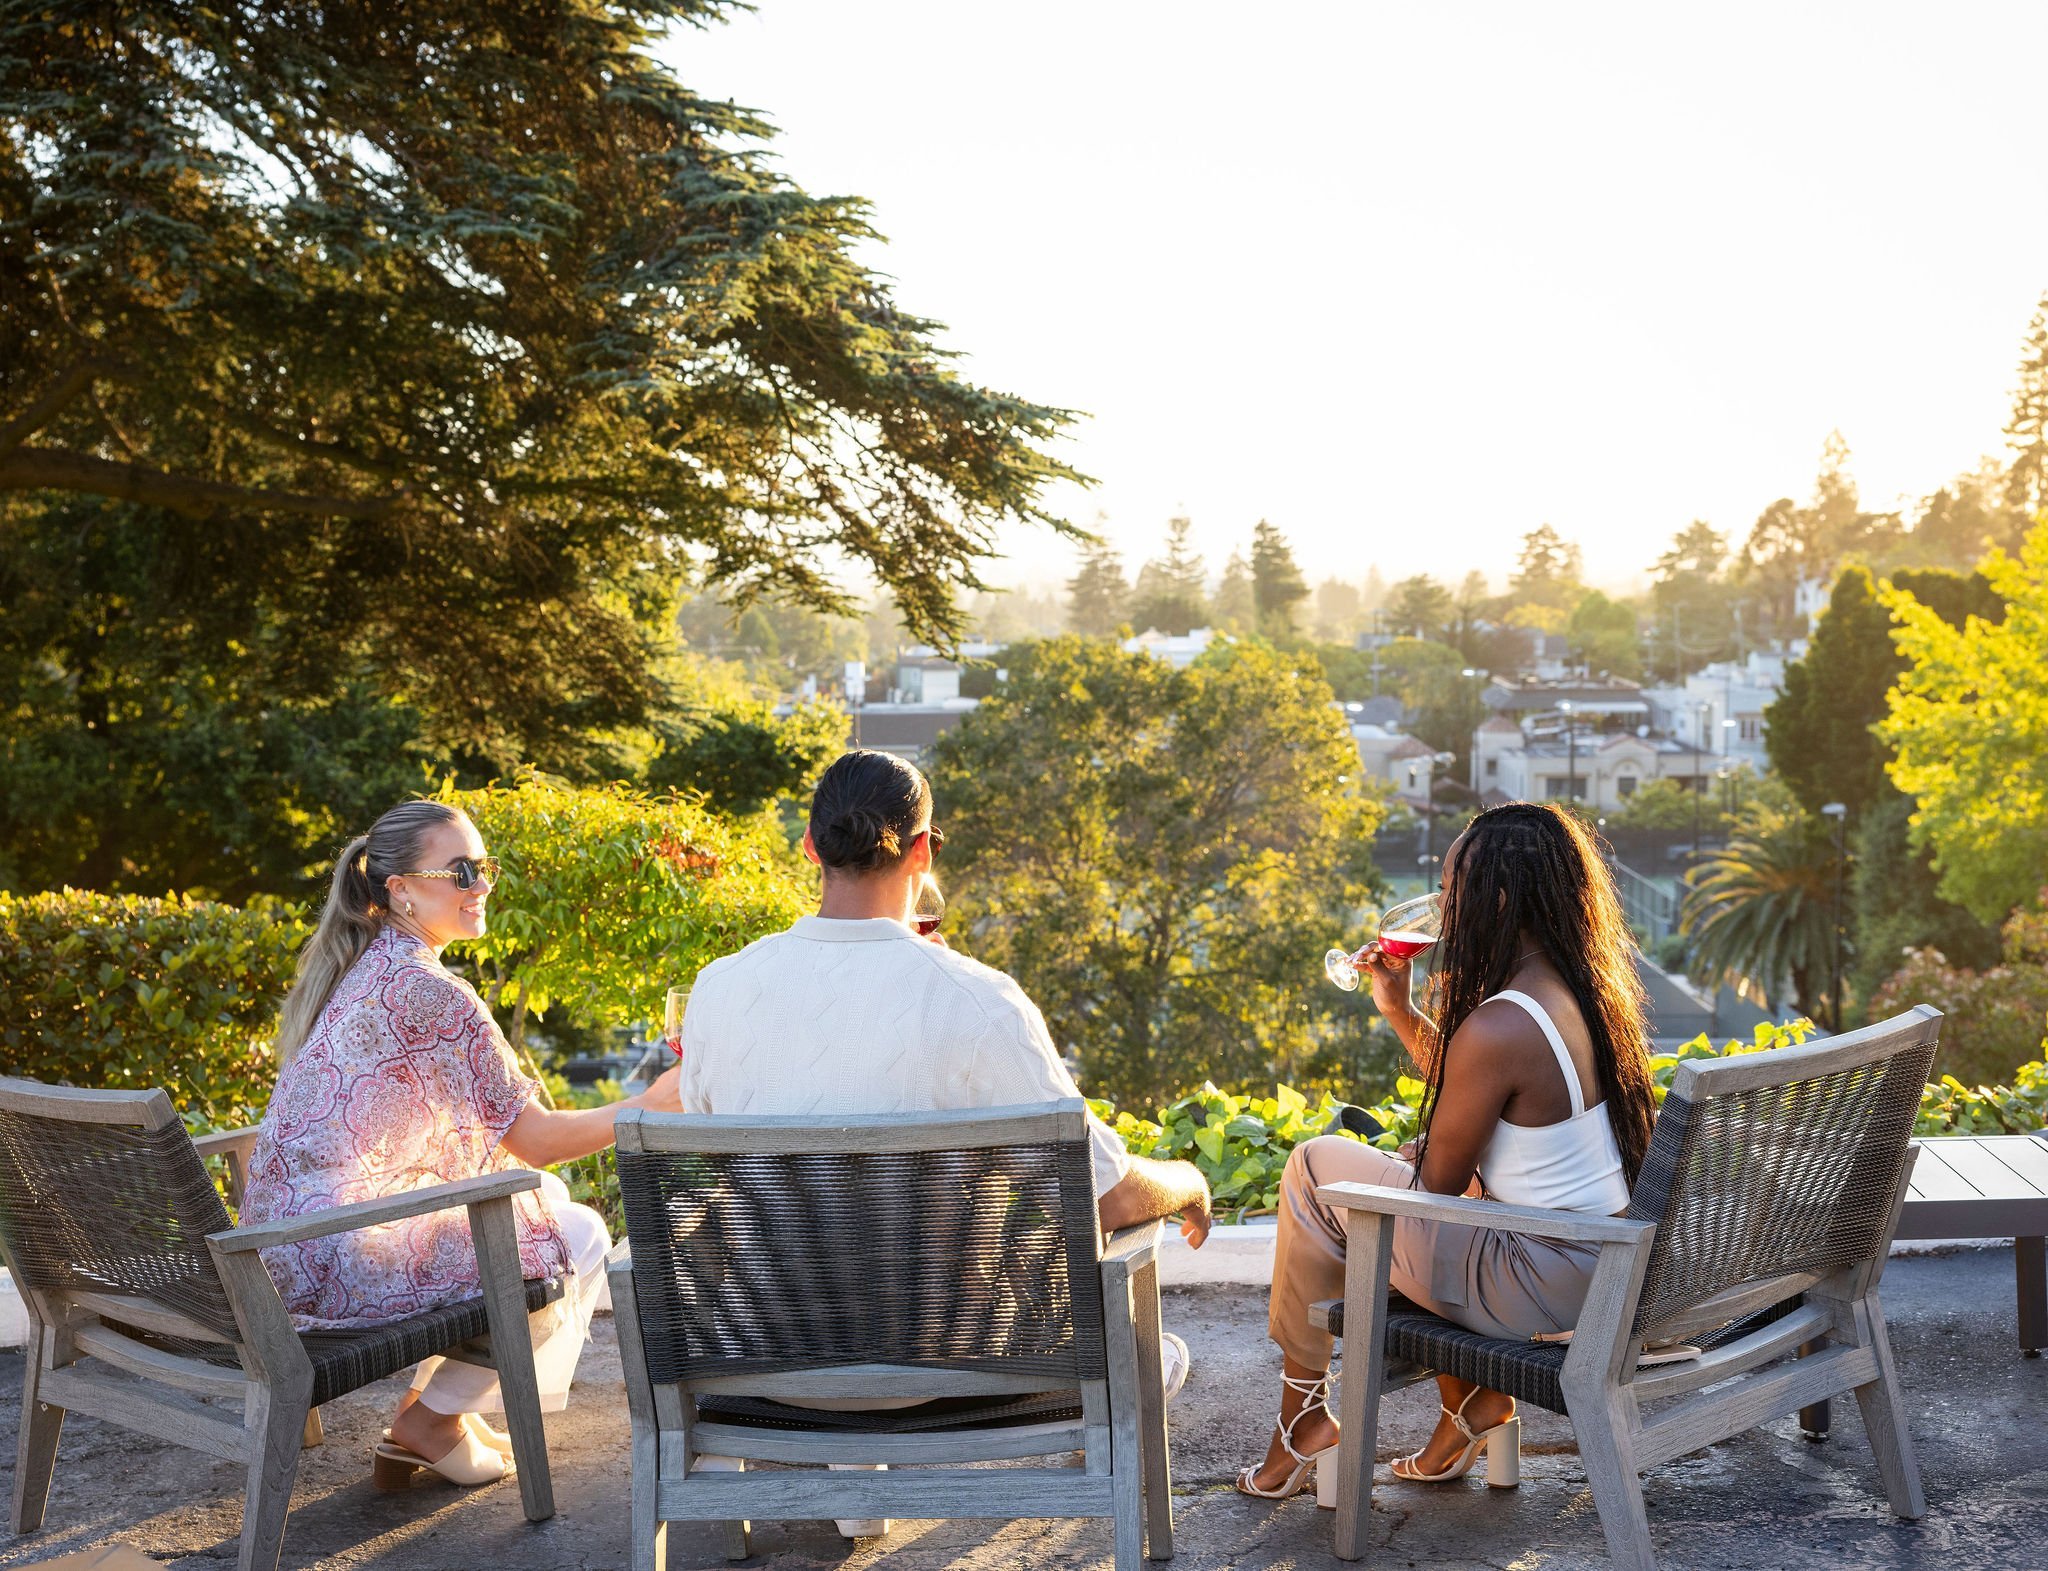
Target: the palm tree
pixel 1763 907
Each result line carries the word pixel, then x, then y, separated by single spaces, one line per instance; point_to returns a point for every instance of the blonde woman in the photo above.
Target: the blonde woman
pixel 393 1077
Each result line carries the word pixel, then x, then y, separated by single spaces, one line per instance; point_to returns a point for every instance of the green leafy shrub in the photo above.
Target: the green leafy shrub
pixel 1239 1142
pixel 1993 1017
pixel 611 896
pixel 127 993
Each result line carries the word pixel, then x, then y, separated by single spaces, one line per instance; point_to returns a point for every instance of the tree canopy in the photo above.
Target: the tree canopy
pixel 1171 594
pixel 1968 720
pixel 478 308
pixel 1164 900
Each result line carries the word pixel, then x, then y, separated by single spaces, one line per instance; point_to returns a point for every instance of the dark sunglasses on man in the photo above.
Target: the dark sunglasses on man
pixel 937 837
pixel 465 870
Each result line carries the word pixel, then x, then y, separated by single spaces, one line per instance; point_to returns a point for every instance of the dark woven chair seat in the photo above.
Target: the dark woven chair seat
pixel 1526 1371
pixel 958 1412
pixel 345 1361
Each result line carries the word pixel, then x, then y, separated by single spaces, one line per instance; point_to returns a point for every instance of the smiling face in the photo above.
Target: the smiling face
pixel 439 912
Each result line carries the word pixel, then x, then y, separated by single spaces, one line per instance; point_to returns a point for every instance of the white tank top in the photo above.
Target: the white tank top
pixel 1572 1166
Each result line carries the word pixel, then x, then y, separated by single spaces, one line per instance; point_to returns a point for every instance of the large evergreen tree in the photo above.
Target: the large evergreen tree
pixel 2027 431
pixel 1171 594
pixel 1277 584
pixel 1097 595
pixel 370 379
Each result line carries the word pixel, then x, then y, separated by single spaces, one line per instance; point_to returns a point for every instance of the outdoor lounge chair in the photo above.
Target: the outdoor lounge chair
pixel 1758 1229
pixel 142 1297
pixel 954 1257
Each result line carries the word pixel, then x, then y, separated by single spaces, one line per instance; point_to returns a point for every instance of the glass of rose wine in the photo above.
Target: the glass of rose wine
pixel 672 1019
pixel 930 908
pixel 1406 930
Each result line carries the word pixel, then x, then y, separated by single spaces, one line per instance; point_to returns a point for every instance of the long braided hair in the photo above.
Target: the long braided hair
pixel 1530 868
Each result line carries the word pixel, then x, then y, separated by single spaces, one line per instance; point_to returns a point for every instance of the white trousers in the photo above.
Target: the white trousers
pixel 450 1387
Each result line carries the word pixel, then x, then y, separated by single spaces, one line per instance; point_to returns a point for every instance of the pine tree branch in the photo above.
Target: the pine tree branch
pixel 69 383
pixel 53 469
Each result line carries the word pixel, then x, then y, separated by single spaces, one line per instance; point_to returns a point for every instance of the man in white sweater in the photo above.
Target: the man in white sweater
pixel 850 1011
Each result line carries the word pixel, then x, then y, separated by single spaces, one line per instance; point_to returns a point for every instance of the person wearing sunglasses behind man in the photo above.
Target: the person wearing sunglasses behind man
pixel 393 1076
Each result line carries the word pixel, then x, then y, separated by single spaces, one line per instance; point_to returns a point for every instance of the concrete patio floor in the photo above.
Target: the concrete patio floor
pixel 1767 1499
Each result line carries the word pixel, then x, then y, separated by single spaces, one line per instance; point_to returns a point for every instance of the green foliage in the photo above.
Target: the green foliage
pixel 1277 584
pixel 1969 722
pixel 1763 907
pixel 1949 1107
pixel 1158 854
pixel 1240 1143
pixel 501 313
pixel 1171 593
pixel 1818 730
pixel 1896 909
pixel 718 739
pixel 1994 1017
pixel 1669 805
pixel 1604 638
pixel 1547 572
pixel 1420 609
pixel 126 993
pixel 612 896
pixel 1098 598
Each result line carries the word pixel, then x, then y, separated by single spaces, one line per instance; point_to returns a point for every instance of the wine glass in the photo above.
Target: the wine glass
pixel 1405 931
pixel 672 1019
pixel 929 908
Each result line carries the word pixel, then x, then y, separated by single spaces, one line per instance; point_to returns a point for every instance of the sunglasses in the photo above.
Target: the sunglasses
pixel 937 837
pixel 465 870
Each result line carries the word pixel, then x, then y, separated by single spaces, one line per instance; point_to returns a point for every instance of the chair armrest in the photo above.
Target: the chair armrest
pixel 619 1257
pixel 225 1142
pixel 1133 1248
pixel 1574 1226
pixel 374 1213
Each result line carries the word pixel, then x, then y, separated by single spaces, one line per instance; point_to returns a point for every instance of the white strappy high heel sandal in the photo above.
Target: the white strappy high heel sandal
pixel 1315 1394
pixel 1502 1445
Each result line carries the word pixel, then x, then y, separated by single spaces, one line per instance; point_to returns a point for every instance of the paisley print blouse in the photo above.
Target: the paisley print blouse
pixel 405 1081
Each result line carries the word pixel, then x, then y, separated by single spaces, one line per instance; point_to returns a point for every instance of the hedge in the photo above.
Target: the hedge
pixel 126 993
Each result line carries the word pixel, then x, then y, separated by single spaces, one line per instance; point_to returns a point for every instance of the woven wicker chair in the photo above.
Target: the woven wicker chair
pixel 953 1257
pixel 142 1297
pixel 1758 1229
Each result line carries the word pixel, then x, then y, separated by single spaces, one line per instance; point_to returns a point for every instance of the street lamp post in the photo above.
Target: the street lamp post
pixel 1699 779
pixel 1436 761
pixel 1571 751
pixel 1840 814
pixel 1478 675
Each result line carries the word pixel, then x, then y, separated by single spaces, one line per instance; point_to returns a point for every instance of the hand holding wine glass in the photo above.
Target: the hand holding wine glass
pixel 1405 931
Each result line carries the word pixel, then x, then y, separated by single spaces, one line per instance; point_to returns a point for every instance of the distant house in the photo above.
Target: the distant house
pixel 1400 760
pixel 1595 742
pixel 1720 708
pixel 1179 650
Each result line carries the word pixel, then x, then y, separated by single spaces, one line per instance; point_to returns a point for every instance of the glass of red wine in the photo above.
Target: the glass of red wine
pixel 672 1019
pixel 1405 931
pixel 930 908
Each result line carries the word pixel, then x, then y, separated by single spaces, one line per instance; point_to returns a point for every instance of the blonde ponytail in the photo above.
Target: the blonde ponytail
pixel 354 914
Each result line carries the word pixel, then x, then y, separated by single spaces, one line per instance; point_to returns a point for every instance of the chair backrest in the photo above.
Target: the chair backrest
pixel 101 1192
pixel 963 1241
pixel 1779 1163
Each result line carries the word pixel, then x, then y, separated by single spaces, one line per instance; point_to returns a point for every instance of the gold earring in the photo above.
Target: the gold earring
pixel 411 909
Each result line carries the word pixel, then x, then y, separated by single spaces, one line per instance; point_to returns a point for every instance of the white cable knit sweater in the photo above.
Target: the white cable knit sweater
pixel 838 1016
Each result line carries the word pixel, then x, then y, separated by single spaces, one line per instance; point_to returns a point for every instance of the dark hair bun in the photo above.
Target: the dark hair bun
pixel 865 811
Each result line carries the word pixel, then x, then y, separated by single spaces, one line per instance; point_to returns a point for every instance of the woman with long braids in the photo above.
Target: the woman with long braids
pixel 392 1077
pixel 1539 1094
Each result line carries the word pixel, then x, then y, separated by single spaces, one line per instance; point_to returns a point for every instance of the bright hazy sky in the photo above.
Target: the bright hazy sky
pixel 1410 280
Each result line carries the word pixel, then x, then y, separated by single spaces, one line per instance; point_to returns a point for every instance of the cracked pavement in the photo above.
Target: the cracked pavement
pixel 1766 1499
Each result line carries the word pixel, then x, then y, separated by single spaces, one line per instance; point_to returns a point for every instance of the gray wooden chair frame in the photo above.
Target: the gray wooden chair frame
pixel 1121 1432
pixel 84 1354
pixel 1775 1343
